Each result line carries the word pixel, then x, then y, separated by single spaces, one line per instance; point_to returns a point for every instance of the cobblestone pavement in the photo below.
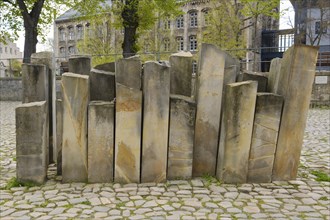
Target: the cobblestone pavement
pixel 304 198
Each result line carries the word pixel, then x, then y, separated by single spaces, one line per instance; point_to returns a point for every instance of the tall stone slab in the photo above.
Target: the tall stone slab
pixel 102 85
pixel 181 137
pixel 261 78
pixel 274 75
pixel 236 132
pixel 156 91
pixel 80 65
pixel 181 73
pixel 100 141
pixel 295 85
pixel 75 88
pixel 59 135
pixel 128 120
pixel 264 137
pixel 31 142
pixel 209 98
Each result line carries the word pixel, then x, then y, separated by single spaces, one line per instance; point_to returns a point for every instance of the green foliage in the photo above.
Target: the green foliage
pixel 208 179
pixel 254 8
pixel 13 182
pixel 320 176
pixel 86 203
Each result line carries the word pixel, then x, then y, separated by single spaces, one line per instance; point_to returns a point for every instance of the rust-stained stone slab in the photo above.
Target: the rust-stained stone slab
pixel 236 132
pixel 295 85
pixel 156 92
pixel 181 137
pixel 75 88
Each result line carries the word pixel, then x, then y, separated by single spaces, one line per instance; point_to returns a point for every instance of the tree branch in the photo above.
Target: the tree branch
pixel 36 10
pixel 9 2
pixel 24 11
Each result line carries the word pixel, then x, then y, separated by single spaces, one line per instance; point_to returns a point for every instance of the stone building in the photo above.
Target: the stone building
pixel 168 36
pixel 9 53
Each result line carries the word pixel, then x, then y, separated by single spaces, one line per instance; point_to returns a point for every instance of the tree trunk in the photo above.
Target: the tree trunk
pixel 131 23
pixel 30 43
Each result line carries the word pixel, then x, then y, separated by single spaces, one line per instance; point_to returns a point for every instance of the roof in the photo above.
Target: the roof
pixel 72 13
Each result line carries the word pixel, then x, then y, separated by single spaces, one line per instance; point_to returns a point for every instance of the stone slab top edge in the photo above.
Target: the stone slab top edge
pixel 34 64
pixel 268 94
pixel 100 102
pixel 127 87
pixel 184 98
pixel 79 56
pixel 68 74
pixel 93 70
pixel 161 63
pixel 182 54
pixel 29 104
pixel 241 83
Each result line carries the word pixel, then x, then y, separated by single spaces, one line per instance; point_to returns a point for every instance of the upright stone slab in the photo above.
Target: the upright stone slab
pixel 264 137
pixel 108 67
pixel 181 73
pixel 75 90
pixel 59 135
pixel 295 85
pixel 209 98
pixel 100 142
pixel 181 137
pixel 156 91
pixel 236 132
pixel 31 142
pixel 128 120
pixel 259 77
pixel 102 85
pixel 80 65
pixel 274 75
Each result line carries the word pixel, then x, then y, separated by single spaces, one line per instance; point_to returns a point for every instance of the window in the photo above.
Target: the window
pixel 15 52
pixel 206 17
pixel 193 43
pixel 319 26
pixel 194 67
pixel 179 41
pixel 71 50
pixel 179 22
pixel 0 49
pixel 6 50
pixel 61 34
pixel 80 32
pixel 11 50
pixel 166 45
pixel 193 19
pixel 62 52
pixel 147 47
pixel 71 33
pixel 167 24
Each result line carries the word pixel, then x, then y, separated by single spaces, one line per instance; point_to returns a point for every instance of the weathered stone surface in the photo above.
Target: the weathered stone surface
pixel 261 78
pixel 80 65
pixel 128 72
pixel 32 142
pixel 209 98
pixel 109 67
pixel 102 85
pixel 59 135
pixel 295 85
pixel 181 137
pixel 156 91
pixel 128 120
pixel 75 90
pixel 264 137
pixel 181 73
pixel 100 142
pixel 128 134
pixel 236 132
pixel 274 74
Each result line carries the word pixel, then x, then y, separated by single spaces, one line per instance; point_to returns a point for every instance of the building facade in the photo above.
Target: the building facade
pixel 9 54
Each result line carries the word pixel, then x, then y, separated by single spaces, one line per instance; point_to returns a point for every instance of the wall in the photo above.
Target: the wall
pixel 10 89
pixel 321 88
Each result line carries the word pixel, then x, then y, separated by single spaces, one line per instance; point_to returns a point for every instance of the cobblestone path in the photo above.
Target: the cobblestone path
pixel 204 198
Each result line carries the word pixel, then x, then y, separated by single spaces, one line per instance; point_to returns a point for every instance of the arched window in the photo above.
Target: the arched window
pixel 71 33
pixel 167 24
pixel 166 45
pixel 61 34
pixel 179 21
pixel 80 32
pixel 62 51
pixel 193 43
pixel 71 50
pixel 206 16
pixel 179 41
pixel 193 19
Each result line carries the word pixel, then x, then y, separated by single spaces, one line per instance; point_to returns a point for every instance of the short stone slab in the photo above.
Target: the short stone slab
pixel 32 142
pixel 102 85
pixel 274 75
pixel 236 132
pixel 156 93
pixel 75 88
pixel 295 85
pixel 181 137
pixel 100 141
pixel 181 73
pixel 80 65
pixel 261 78
pixel 209 99
pixel 108 67
pixel 264 137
